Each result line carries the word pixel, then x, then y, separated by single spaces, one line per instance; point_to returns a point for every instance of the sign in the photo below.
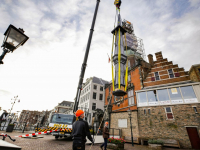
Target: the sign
pixel 164 102
pixel 143 104
pixel 174 91
pixel 192 100
pixel 153 103
pixel 122 123
pixel 177 101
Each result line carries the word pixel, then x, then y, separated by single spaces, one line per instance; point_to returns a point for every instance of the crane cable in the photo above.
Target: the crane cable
pixel 126 74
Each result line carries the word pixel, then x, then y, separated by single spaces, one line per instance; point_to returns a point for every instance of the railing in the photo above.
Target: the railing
pixel 113 132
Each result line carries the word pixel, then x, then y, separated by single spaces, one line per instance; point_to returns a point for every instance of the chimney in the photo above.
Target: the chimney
pixel 159 56
pixel 150 57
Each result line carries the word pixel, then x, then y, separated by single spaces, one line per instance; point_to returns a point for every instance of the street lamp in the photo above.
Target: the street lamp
pixel 129 113
pixel 13 39
pixel 27 113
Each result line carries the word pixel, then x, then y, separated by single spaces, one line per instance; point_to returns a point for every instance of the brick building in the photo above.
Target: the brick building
pixel 163 99
pixel 194 73
pixel 168 104
pixel 34 117
pixel 137 69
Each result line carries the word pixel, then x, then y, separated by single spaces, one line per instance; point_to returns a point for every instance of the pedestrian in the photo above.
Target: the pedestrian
pixel 80 130
pixel 105 136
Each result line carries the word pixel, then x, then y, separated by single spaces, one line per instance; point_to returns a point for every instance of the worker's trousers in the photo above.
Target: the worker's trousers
pixel 78 145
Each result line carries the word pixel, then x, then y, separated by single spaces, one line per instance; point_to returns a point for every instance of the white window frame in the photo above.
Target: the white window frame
pixel 93 95
pixel 100 88
pixel 129 77
pixel 149 111
pixel 168 112
pixel 144 111
pixel 93 87
pixel 156 76
pixel 99 96
pixel 131 100
pixel 95 106
pixel 196 112
pixel 172 73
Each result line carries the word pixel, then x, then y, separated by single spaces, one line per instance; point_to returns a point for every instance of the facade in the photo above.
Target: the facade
pixel 137 69
pixel 166 101
pixel 194 73
pixel 168 104
pixel 92 96
pixel 64 106
pixel 34 117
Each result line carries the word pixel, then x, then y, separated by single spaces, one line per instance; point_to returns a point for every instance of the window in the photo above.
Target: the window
pixel 169 113
pixel 145 111
pixel 142 98
pixel 94 95
pixel 152 97
pixel 175 95
pixel 86 105
pixel 149 111
pixel 95 87
pixel 129 64
pixel 157 76
pixel 171 74
pixel 130 97
pixel 187 92
pixel 163 96
pixel 101 97
pixel 101 88
pixel 129 78
pixel 93 106
pixel 195 109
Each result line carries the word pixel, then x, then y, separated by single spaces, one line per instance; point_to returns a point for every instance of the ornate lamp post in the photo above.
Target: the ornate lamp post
pixel 13 39
pixel 129 113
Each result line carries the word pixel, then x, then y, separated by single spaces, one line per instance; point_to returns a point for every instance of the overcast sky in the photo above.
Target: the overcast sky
pixel 45 71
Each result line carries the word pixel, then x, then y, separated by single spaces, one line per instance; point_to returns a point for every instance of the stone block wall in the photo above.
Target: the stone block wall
pixel 126 131
pixel 155 125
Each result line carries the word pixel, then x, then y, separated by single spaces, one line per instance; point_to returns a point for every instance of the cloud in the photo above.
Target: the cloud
pixel 46 69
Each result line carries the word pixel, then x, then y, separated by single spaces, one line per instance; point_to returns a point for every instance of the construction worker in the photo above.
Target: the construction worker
pixel 105 136
pixel 80 130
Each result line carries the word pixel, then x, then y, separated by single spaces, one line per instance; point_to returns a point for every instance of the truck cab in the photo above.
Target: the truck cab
pixel 61 125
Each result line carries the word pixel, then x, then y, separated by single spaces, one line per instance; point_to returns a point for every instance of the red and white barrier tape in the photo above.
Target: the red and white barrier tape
pixel 33 134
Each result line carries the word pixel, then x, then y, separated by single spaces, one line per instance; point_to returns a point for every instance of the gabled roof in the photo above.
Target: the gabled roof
pixel 99 81
pixel 66 103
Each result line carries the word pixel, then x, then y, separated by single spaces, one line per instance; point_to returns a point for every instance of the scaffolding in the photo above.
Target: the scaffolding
pixel 133 42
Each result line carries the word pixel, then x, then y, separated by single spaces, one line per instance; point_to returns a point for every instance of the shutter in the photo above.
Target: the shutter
pixel 170 116
pixel 177 74
pixel 152 78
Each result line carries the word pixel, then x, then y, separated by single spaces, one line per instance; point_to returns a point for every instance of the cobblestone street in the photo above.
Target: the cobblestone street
pixel 48 142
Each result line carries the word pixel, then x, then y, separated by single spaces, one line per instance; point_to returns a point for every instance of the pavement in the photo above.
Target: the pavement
pixel 48 142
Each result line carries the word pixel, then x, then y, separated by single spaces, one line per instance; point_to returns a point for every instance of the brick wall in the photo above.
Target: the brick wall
pixel 161 66
pixel 155 125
